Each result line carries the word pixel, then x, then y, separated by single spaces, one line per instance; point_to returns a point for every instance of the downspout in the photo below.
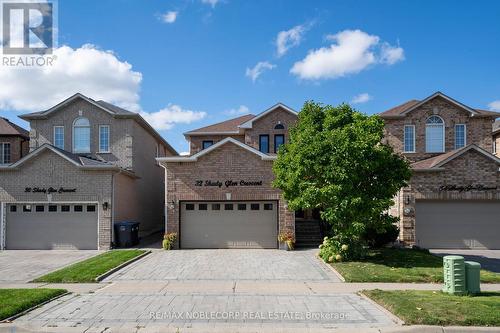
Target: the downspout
pixel 165 201
pixel 113 209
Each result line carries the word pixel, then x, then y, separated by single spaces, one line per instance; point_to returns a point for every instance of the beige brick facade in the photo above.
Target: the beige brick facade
pixel 19 147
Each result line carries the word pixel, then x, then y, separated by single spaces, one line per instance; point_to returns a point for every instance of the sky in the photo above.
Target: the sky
pixel 185 64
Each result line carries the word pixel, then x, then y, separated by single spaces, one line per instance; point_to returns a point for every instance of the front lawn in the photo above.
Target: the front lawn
pixel 14 301
pixel 400 265
pixel 437 308
pixel 88 270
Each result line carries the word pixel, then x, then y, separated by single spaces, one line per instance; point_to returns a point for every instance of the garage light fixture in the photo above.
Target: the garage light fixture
pixel 105 205
pixel 171 204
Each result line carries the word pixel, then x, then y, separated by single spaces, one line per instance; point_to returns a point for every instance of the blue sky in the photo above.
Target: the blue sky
pixel 192 63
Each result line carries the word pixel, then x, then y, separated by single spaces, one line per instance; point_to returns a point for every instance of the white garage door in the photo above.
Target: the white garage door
pixel 458 224
pixel 222 225
pixel 51 226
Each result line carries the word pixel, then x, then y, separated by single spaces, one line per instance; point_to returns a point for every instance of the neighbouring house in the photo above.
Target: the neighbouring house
pixel 90 164
pixel 453 197
pixel 221 196
pixel 14 142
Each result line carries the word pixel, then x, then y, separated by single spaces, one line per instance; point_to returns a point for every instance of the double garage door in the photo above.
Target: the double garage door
pixel 222 225
pixel 458 224
pixel 51 226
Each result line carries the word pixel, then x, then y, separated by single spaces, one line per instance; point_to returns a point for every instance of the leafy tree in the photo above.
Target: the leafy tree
pixel 335 161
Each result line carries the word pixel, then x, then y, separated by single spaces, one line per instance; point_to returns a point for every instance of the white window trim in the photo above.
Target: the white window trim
pixel 54 138
pixel 10 152
pixel 109 138
pixel 465 134
pixel 404 139
pixel 444 138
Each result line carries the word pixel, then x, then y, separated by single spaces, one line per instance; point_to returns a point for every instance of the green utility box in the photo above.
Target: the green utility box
pixel 472 277
pixel 454 275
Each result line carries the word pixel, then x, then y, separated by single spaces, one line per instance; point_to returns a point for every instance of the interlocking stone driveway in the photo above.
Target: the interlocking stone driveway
pixel 240 265
pixel 25 265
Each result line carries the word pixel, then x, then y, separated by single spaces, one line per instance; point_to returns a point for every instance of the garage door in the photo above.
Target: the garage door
pixel 458 224
pixel 224 225
pixel 54 226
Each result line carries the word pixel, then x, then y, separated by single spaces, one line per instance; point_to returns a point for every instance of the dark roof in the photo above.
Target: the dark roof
pixel 396 111
pixel 496 126
pixel 84 160
pixel 9 128
pixel 114 108
pixel 230 125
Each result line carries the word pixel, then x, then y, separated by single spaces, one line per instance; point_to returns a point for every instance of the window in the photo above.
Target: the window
pixel 4 153
pixel 104 138
pixel 59 137
pixel 189 206
pixel 495 146
pixel 434 135
pixel 81 135
pixel 279 126
pixel 64 208
pixel 215 206
pixel 409 139
pixel 27 208
pixel 279 139
pixel 39 208
pixel 242 206
pixel 228 207
pixel 460 136
pixel 202 207
pixel 91 208
pixel 52 208
pixel 264 143
pixel 268 206
pixel 78 208
pixel 13 208
pixel 207 143
pixel 254 206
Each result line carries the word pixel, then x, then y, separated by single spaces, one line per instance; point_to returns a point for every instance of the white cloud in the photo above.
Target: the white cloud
pixel 258 69
pixel 169 17
pixel 242 109
pixel 93 72
pixel 391 54
pixel 173 114
pixel 289 38
pixel 361 98
pixel 210 2
pixel 494 106
pixel 351 52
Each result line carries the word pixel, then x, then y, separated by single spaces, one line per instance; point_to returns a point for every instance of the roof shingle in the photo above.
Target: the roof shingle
pixel 230 125
pixel 8 128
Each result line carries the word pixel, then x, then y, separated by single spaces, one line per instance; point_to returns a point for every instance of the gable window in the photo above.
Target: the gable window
pixel 207 143
pixel 5 153
pixel 434 135
pixel 81 135
pixel 264 143
pixel 279 126
pixel 59 137
pixel 460 136
pixel 279 139
pixel 409 139
pixel 104 138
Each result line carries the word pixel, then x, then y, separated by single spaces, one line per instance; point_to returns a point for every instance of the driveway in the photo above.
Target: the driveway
pixel 19 266
pixel 489 259
pixel 215 290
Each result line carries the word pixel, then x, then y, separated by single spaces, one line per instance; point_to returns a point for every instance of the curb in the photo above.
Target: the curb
pixel 341 278
pixel 117 268
pixel 388 313
pixel 22 313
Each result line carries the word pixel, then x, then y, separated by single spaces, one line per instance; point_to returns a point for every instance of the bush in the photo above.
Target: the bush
pixel 383 233
pixel 169 240
pixel 341 248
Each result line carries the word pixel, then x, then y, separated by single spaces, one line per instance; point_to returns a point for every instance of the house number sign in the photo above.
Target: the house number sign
pixel 227 183
pixel 49 190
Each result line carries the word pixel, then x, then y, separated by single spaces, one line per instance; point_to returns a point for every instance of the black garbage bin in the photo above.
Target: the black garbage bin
pixel 126 233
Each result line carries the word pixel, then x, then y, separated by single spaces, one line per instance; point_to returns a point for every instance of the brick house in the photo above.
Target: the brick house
pixel 90 163
pixel 453 198
pixel 14 142
pixel 220 196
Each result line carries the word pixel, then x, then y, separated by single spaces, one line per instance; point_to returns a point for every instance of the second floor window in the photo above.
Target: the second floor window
pixel 59 137
pixel 279 139
pixel 460 136
pixel 4 153
pixel 81 135
pixel 264 143
pixel 104 138
pixel 409 139
pixel 434 135
pixel 206 144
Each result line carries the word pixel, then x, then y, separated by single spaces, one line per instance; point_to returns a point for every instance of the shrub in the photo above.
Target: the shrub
pixel 341 248
pixel 169 240
pixel 382 233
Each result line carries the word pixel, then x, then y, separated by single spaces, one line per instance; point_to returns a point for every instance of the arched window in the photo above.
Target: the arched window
pixel 279 126
pixel 434 135
pixel 81 135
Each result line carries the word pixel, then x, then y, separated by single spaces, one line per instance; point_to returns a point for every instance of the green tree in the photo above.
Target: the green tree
pixel 335 161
